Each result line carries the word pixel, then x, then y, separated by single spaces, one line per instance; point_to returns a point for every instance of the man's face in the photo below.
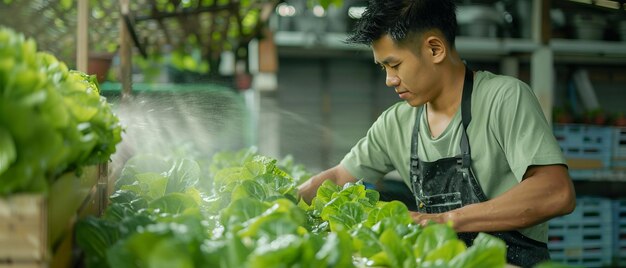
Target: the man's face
pixel 409 71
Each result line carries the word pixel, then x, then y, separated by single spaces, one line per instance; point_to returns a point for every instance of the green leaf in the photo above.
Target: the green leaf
pixel 396 210
pixel 270 225
pixel 350 214
pixel 309 250
pixel 253 169
pixel 7 153
pixel 184 174
pixel 487 251
pixel 284 251
pixel 226 176
pixel 333 207
pixel 397 254
pixel 251 189
pixel 366 241
pixel 446 252
pixel 123 197
pixel 372 195
pixel 413 232
pixel 173 203
pixel 236 251
pixel 134 251
pixel 142 163
pixel 94 236
pixel 152 185
pixel 170 253
pixel 242 210
pixel 277 184
pixel 432 237
pixel 66 4
pixel 326 191
pixel 337 250
pixel 353 191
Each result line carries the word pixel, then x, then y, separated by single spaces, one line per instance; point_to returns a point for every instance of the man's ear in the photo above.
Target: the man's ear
pixel 436 48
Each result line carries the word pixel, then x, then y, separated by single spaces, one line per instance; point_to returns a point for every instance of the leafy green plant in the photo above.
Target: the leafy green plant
pixel 52 120
pixel 259 223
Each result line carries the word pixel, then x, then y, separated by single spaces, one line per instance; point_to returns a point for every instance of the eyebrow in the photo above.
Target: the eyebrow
pixel 386 61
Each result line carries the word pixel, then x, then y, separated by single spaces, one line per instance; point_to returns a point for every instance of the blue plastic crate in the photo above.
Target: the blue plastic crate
pixel 589 211
pixel 619 220
pixel 585 237
pixel 618 160
pixel 589 143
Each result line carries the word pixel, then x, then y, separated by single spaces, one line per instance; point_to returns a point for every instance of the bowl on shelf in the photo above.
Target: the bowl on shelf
pixel 589 26
pixel 478 20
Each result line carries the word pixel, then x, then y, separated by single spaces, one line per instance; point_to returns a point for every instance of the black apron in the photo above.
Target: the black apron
pixel 450 183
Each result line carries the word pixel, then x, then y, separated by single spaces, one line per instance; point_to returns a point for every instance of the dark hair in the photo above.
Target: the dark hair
pixel 402 19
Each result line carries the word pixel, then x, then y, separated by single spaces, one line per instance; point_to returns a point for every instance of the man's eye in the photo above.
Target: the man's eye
pixel 395 66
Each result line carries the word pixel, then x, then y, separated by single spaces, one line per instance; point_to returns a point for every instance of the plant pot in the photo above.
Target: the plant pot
pixel 99 65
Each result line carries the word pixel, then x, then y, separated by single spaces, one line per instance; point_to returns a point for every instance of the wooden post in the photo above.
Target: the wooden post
pixel 102 188
pixel 542 64
pixel 82 37
pixel 125 52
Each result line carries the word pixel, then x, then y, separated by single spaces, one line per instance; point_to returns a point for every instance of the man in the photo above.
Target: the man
pixel 474 147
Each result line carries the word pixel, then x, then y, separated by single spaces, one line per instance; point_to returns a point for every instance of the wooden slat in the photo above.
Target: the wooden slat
pixel 23 224
pixel 23 265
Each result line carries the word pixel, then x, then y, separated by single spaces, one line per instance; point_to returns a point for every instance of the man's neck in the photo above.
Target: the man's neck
pixel 449 99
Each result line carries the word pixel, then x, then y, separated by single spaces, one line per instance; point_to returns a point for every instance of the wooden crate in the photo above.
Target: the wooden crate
pixel 23 235
pixel 37 230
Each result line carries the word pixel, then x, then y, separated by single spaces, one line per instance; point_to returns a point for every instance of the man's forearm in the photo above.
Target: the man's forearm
pixel 543 195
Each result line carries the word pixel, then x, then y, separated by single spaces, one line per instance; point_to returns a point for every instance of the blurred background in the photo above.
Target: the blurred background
pixel 228 74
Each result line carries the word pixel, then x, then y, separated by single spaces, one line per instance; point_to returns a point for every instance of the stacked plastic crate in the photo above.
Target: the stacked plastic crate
pixel 619 206
pixel 587 148
pixel 584 237
pixel 619 228
pixel 618 160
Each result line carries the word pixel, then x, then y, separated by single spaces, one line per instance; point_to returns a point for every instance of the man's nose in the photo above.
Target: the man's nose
pixel 392 81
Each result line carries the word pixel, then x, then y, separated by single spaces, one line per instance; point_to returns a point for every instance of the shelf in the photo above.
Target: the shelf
pixel 602 175
pixel 589 48
pixel 465 45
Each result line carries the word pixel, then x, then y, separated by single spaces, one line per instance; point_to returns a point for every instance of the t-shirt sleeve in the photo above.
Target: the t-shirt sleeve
pixel 369 159
pixel 522 129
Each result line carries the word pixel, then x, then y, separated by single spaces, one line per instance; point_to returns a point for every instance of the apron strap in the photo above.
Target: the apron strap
pixel 414 169
pixel 466 117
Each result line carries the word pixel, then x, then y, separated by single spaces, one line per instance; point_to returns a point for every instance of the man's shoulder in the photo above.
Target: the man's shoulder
pixel 493 87
pixel 487 81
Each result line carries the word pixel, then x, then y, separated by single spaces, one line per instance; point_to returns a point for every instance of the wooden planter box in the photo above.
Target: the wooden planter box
pixel 37 230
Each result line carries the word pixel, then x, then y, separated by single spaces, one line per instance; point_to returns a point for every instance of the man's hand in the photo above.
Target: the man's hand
pixel 306 191
pixel 338 174
pixel 423 219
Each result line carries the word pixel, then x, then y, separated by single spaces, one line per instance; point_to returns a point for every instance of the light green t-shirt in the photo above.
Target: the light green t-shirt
pixel 507 134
